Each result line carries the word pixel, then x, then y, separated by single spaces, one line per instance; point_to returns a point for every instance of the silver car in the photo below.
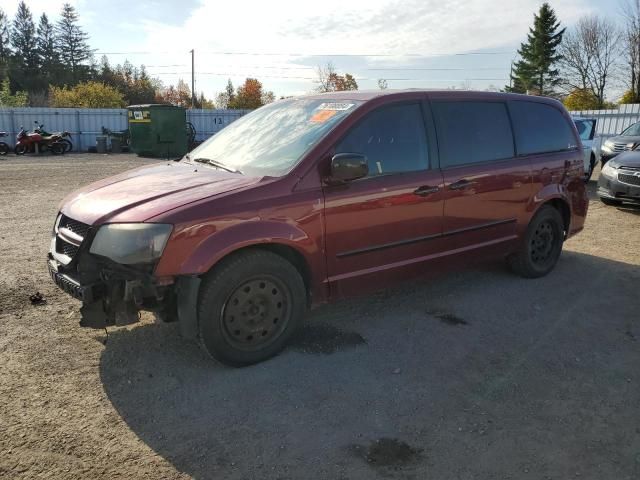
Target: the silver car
pixel 628 140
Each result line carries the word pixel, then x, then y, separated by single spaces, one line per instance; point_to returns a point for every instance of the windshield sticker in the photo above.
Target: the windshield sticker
pixel 323 116
pixel 338 107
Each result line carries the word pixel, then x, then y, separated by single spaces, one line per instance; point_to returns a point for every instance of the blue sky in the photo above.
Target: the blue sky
pixel 412 43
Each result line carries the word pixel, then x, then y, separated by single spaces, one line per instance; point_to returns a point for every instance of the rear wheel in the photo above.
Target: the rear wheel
pixel 541 246
pixel 249 306
pixel 57 148
pixel 4 149
pixel 611 202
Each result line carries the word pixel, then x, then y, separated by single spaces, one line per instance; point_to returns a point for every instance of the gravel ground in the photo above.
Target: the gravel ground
pixel 476 374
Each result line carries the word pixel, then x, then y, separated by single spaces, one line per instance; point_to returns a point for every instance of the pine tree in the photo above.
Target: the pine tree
pixel 5 41
pixel 5 45
pixel 25 54
pixel 47 52
pixel 72 43
pixel 534 73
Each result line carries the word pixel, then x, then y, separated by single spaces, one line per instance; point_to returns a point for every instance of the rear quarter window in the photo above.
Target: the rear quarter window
pixel 540 128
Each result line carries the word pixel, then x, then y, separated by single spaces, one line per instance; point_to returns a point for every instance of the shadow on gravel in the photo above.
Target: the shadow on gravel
pixel 545 382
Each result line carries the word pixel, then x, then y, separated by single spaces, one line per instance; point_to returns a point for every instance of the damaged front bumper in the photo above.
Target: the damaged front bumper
pixel 112 293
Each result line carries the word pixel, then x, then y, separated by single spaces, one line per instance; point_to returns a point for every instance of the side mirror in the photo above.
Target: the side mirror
pixel 348 166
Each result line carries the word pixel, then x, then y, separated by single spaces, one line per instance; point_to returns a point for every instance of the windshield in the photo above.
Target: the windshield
pixel 632 131
pixel 270 141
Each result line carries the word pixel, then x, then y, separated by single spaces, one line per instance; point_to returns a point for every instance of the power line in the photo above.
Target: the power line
pixel 387 55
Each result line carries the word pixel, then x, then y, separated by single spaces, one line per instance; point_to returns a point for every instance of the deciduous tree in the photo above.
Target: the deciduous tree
pixel 589 53
pixel 86 95
pixel 330 81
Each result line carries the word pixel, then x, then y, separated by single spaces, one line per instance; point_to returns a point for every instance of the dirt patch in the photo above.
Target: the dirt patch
pixel 387 452
pixel 324 339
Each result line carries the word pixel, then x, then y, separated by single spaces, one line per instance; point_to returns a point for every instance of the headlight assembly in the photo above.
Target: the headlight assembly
pixel 607 147
pixel 131 243
pixel 609 170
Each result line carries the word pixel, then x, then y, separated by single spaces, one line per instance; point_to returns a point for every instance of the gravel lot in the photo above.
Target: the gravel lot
pixel 476 374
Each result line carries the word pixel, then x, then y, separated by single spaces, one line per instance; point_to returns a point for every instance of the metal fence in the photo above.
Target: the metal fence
pixel 86 123
pixel 612 122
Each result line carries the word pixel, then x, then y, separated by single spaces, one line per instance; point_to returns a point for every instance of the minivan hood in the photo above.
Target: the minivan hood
pixel 142 193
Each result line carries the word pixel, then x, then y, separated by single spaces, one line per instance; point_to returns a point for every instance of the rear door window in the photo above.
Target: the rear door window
pixel 540 128
pixel 393 139
pixel 472 132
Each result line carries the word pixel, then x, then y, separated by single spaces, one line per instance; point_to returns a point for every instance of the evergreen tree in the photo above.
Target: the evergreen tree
pixel 47 52
pixel 72 43
pixel 25 54
pixel 534 72
pixel 5 44
pixel 5 40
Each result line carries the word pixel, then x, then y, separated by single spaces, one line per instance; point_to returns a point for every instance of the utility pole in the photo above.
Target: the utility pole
pixel 193 80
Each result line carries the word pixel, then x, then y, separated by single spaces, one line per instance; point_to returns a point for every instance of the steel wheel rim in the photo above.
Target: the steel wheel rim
pixel 256 313
pixel 543 243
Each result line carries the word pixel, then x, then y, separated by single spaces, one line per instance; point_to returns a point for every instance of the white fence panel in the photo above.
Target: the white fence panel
pixel 612 122
pixel 86 123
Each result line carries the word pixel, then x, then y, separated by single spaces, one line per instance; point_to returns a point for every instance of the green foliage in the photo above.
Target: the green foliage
pixel 18 99
pixel 86 95
pixel 581 99
pixel 629 97
pixel 535 72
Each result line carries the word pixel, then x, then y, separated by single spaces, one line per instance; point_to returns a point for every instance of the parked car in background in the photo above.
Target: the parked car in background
pixel 308 200
pixel 587 130
pixel 627 140
pixel 619 180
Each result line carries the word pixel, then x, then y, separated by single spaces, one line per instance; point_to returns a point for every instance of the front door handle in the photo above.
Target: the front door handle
pixel 461 184
pixel 425 190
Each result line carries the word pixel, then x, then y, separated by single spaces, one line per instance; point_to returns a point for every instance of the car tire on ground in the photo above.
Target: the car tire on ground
pixel 249 306
pixel 542 244
pixel 611 202
pixel 592 165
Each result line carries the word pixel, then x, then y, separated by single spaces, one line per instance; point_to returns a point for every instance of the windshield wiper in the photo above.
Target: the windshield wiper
pixel 217 164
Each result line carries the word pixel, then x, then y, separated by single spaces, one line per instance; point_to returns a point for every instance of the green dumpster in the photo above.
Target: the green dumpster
pixel 158 130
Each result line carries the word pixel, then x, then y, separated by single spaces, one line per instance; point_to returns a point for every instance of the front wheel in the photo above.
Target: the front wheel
pixel 20 149
pixel 249 306
pixel 542 245
pixel 588 174
pixel 68 146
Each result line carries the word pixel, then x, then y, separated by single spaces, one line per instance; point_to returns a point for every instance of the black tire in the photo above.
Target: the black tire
pixel 68 146
pixel 57 148
pixel 4 149
pixel 20 149
pixel 541 246
pixel 611 202
pixel 249 306
pixel 592 164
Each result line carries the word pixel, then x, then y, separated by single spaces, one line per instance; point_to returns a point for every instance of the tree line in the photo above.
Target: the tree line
pixel 53 64
pixel 581 64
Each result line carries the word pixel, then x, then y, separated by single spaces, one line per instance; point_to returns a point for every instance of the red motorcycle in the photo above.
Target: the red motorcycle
pixel 35 142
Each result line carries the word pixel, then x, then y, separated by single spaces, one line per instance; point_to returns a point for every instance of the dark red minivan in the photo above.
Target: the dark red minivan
pixel 311 199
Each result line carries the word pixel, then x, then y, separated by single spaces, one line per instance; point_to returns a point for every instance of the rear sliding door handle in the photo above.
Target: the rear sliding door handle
pixel 461 184
pixel 425 190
